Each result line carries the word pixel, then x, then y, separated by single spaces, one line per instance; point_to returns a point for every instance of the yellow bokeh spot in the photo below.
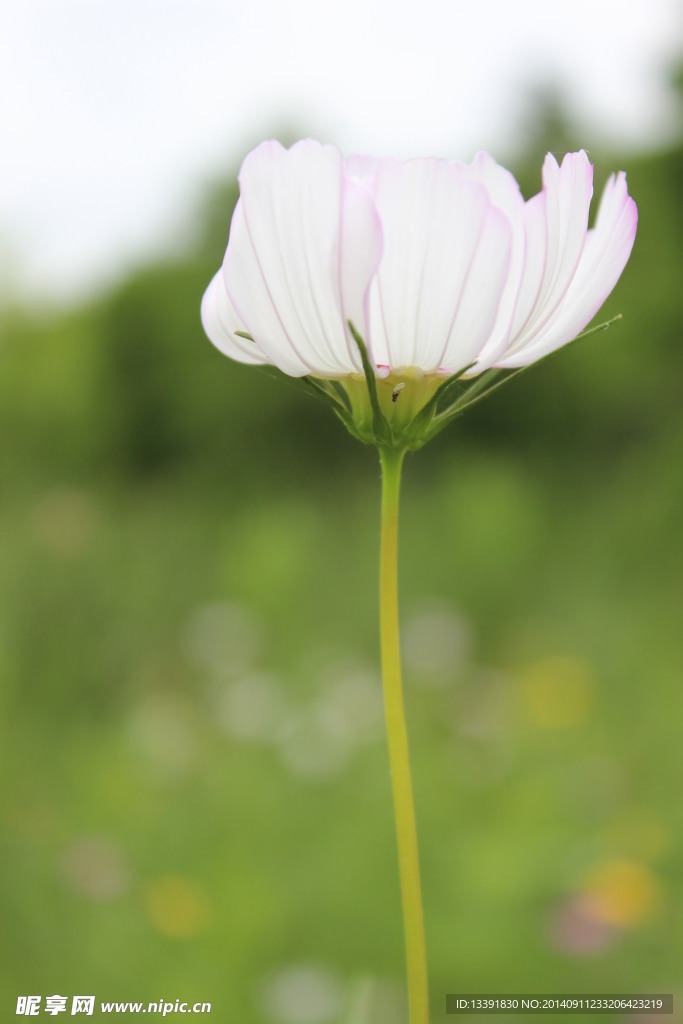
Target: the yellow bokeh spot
pixel 622 893
pixel 556 692
pixel 176 906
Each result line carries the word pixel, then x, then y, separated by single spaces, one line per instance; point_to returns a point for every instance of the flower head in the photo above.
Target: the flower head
pixel 413 273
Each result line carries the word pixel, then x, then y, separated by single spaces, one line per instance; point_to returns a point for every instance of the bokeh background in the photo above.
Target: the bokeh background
pixel 195 782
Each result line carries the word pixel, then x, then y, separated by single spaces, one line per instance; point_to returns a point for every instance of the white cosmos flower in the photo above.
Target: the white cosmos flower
pixel 438 264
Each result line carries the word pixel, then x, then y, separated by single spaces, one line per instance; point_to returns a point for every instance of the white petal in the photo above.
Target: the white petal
pixel 221 321
pixel 562 209
pixel 505 194
pixel 359 253
pixel 479 304
pixel 284 268
pixel 434 221
pixel 363 168
pixel 605 255
pixel 247 288
pixel 535 247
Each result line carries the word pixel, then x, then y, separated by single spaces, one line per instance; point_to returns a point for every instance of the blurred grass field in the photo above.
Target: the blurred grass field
pixel 196 784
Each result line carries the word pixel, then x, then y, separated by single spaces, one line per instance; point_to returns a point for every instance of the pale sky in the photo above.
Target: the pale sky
pixel 114 113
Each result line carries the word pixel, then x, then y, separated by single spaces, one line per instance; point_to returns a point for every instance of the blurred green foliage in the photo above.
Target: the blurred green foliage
pixel 196 786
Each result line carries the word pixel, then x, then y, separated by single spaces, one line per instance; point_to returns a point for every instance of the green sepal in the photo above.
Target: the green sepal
pixel 427 412
pixel 475 390
pixel 482 387
pixel 350 425
pixel 338 389
pixel 322 391
pixel 334 395
pixel 489 381
pixel 309 385
pixel 380 426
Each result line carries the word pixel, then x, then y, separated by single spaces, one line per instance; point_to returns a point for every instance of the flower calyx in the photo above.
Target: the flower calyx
pixel 399 411
pixel 407 408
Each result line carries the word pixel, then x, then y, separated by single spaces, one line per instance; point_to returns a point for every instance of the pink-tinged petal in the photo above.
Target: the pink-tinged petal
pixel 605 255
pixel 363 168
pixel 220 322
pixel 505 194
pixel 535 247
pixel 434 220
pixel 479 304
pixel 567 192
pixel 359 255
pixel 438 264
pixel 284 268
pixel 250 294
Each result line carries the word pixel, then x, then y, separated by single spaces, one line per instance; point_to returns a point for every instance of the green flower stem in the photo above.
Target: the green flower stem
pixel 397 736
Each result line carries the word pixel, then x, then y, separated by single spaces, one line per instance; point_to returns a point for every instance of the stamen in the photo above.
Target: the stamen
pixel 397 391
